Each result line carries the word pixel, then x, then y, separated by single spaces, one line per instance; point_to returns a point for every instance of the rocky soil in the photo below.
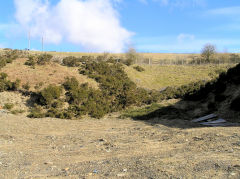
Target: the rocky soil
pixel 115 148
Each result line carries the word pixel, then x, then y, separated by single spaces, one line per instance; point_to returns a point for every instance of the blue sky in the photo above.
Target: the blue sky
pixel 177 26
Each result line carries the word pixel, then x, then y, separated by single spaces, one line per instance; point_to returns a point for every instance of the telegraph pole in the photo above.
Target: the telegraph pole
pixel 29 40
pixel 42 43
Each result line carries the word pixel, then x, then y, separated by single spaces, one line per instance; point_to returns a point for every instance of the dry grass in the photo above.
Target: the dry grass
pixel 153 56
pixel 158 77
pixel 52 73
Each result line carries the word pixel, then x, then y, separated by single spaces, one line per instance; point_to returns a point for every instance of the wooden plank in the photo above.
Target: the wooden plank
pixel 204 118
pixel 214 122
pixel 224 124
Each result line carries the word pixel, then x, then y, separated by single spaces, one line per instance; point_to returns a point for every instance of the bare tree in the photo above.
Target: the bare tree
pixel 131 56
pixel 208 51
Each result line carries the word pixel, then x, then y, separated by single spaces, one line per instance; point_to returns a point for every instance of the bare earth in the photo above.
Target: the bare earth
pixel 116 148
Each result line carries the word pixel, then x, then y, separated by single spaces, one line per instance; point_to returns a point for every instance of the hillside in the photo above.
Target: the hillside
pixel 160 76
pixel 52 73
pixel 163 145
pixel 220 96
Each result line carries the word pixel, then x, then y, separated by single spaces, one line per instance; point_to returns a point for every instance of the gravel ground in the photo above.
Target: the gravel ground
pixel 116 148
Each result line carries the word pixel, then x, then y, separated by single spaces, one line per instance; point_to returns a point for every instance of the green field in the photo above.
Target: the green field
pixel 160 76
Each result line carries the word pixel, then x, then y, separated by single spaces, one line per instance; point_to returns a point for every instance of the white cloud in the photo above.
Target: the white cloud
pixel 93 24
pixel 181 3
pixel 235 10
pixel 185 37
pixel 143 1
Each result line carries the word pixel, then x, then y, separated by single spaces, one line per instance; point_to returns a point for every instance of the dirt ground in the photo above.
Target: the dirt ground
pixel 115 148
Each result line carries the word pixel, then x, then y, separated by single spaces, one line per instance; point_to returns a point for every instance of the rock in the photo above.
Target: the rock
pixel 233 173
pixel 125 170
pixel 95 171
pixel 121 174
pixel 102 140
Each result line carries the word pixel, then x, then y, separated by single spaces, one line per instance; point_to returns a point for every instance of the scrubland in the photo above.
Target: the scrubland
pixel 129 121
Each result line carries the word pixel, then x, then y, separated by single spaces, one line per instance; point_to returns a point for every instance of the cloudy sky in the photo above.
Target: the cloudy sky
pixel 178 26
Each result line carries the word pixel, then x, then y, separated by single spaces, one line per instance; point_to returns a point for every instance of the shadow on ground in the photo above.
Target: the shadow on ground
pixel 179 115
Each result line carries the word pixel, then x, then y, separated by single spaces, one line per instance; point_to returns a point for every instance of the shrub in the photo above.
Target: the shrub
pixel 17 111
pixel 129 62
pixel 56 113
pixel 8 106
pixel 138 68
pixel 15 85
pixel 26 86
pixel 8 57
pixel 71 61
pixel 8 85
pixel 44 59
pixel 36 112
pixel 49 94
pixel 115 84
pixel 38 86
pixel 32 61
pixel 2 62
pixel 85 59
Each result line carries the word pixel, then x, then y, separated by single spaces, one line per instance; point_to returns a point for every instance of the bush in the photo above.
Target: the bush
pixel 6 85
pixel 26 86
pixel 17 111
pixel 38 86
pixel 49 94
pixel 138 68
pixel 8 57
pixel 36 112
pixel 32 61
pixel 71 61
pixel 85 59
pixel 15 85
pixel 53 112
pixel 44 59
pixel 8 106
pixel 129 62
pixel 2 62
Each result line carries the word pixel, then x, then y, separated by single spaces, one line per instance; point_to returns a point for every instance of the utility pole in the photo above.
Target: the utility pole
pixel 29 40
pixel 42 43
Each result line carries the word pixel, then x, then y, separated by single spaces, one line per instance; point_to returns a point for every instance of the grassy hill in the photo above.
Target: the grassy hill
pixel 220 96
pixel 110 84
pixel 52 73
pixel 161 76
